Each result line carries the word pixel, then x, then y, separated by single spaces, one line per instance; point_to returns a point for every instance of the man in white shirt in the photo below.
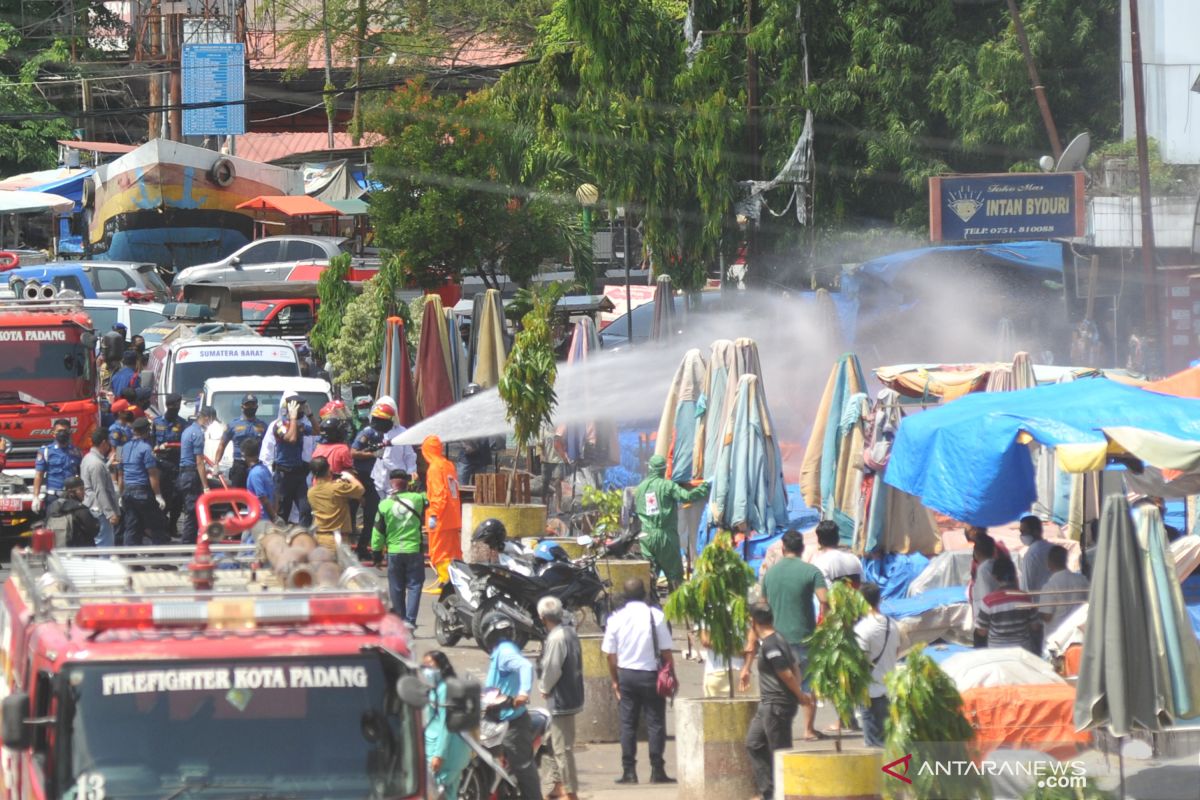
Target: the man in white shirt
pixel 879 638
pixel 1034 570
pixel 835 564
pixel 983 582
pixel 1055 605
pixel 629 643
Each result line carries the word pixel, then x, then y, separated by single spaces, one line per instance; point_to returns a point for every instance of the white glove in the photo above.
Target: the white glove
pixel 37 504
pixel 432 523
pixel 162 504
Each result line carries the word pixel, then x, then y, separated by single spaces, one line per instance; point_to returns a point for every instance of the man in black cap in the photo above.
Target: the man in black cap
pixel 247 426
pixel 168 432
pixel 126 377
pixel 141 492
pixel 112 345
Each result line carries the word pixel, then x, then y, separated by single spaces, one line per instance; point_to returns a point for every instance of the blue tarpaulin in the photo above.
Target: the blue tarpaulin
pixel 894 572
pixel 1041 256
pixel 900 607
pixel 964 459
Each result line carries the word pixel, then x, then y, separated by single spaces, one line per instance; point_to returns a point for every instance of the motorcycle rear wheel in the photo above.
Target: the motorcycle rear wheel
pixel 447 635
pixel 473 785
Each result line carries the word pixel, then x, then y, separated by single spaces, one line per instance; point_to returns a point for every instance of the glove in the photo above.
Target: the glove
pixel 162 504
pixel 376 558
pixel 37 504
pixel 293 409
pixel 432 523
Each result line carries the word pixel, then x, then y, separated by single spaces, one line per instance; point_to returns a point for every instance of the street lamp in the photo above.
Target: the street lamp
pixel 587 195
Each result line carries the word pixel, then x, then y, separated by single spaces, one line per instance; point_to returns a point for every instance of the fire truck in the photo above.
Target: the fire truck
pixel 203 672
pixel 47 372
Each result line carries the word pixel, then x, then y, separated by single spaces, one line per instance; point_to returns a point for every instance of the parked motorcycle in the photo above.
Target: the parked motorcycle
pixel 486 776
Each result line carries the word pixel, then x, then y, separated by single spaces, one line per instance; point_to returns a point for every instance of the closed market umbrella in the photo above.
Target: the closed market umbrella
pixel 488 351
pixel 1118 687
pixel 434 384
pixel 827 480
pixel 711 408
pixel 748 491
pixel 457 351
pixel 395 374
pixel 593 439
pixel 664 309
pixel 682 414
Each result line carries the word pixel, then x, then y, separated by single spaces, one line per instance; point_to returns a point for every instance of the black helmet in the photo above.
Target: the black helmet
pixel 492 533
pixel 495 628
pixel 472 389
pixel 333 430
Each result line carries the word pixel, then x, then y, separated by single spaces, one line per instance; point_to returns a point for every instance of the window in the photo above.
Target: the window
pixel 102 319
pixel 150 277
pixel 142 318
pixel 68 282
pixel 266 252
pixel 304 251
pixel 111 280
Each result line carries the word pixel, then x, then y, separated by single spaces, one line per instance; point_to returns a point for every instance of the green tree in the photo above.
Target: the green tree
pixel 358 345
pixel 29 144
pixel 838 669
pixel 466 192
pixel 335 293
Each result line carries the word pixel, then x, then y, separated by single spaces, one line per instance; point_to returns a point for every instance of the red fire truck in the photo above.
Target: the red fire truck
pixel 47 372
pixel 164 674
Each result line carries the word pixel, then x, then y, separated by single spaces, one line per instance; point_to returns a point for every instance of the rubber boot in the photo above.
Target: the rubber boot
pixel 628 776
pixel 658 774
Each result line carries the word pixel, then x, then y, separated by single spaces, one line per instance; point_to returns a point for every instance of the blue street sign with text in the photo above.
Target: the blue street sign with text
pixel 214 73
pixel 968 208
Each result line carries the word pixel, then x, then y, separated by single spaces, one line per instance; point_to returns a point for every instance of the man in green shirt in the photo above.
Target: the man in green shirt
pixel 398 532
pixel 656 498
pixel 789 588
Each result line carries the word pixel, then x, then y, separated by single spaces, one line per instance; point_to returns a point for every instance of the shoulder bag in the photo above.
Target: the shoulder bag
pixel 667 684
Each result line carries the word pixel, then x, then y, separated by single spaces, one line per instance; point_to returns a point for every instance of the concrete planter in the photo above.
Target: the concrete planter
pixel 853 774
pixel 521 520
pixel 710 747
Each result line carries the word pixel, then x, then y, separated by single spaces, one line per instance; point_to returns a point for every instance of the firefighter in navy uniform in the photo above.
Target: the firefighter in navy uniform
pixel 168 432
pixel 247 426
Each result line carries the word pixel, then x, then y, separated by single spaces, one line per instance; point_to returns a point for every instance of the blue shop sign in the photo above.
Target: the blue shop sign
pixel 1037 205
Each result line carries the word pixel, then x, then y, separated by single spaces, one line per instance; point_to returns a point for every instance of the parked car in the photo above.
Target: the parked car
pixel 112 280
pixel 615 334
pixel 277 258
pixel 289 318
pixel 225 395
pixel 136 317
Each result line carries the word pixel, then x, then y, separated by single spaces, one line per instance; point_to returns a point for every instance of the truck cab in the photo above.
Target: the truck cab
pixel 127 676
pixel 225 395
pixel 48 372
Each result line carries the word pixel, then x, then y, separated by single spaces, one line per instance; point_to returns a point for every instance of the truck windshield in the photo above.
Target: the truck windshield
pixel 45 363
pixel 190 377
pixel 303 728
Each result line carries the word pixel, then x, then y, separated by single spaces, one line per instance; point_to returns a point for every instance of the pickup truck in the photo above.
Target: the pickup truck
pixel 277 259
pixel 113 280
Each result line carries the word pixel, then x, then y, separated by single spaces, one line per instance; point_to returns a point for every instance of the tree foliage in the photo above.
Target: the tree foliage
pixel 527 385
pixel 714 598
pixel 467 191
pixel 335 294
pixel 30 144
pixel 358 345
pixel 838 668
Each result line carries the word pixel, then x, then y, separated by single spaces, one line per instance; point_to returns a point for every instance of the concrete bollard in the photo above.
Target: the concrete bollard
pixel 599 720
pixel 573 548
pixel 710 747
pixel 853 774
pixel 616 571
pixel 519 519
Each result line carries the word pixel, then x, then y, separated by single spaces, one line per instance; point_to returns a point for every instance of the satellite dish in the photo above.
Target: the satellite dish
pixel 1076 153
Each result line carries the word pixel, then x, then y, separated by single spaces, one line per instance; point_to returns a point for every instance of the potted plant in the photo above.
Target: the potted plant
pixel 838 669
pixel 925 726
pixel 840 673
pixel 711 732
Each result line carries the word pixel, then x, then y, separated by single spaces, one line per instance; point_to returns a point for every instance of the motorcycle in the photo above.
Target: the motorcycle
pixel 475 590
pixel 486 776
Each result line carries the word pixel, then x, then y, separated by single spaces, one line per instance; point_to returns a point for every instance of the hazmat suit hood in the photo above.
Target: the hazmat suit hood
pixel 432 448
pixel 656 466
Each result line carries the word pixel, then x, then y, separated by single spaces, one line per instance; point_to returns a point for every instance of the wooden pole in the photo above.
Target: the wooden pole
pixel 1039 91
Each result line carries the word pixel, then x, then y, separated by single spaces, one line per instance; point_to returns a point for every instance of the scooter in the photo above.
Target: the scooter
pixel 486 776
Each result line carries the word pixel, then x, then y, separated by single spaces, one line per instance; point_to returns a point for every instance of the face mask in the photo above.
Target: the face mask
pixel 250 411
pixel 432 675
pixel 381 425
pixel 62 437
pixel 172 412
pixel 1026 539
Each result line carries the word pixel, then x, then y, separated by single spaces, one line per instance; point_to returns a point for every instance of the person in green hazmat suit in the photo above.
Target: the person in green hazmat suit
pixel 656 499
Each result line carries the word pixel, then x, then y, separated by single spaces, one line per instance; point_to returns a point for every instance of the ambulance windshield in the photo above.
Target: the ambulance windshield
pixel 283 728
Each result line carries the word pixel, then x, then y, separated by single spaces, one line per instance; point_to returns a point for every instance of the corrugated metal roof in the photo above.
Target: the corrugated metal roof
pixel 269 147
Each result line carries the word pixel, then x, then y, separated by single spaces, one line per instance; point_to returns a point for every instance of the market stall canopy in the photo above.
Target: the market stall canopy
pixel 1036 256
pixel 1181 384
pixel 968 459
pixel 34 203
pixel 111 148
pixel 290 205
pixel 63 181
pixel 350 207
pixel 950 381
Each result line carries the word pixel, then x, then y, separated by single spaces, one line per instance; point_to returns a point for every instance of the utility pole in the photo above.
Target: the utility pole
pixel 751 243
pixel 175 84
pixel 1150 325
pixel 1039 91
pixel 329 98
pixel 154 122
pixel 360 29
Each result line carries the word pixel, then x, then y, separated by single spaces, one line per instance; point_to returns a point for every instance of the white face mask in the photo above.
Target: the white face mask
pixel 1027 540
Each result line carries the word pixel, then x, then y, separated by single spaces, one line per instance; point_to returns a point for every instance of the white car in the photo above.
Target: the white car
pixel 225 395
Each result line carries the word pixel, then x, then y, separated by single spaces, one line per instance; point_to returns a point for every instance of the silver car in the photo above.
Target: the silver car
pixel 267 260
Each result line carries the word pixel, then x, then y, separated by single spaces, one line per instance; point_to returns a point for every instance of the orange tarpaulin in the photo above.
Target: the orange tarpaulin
pixel 1181 384
pixel 300 205
pixel 1025 717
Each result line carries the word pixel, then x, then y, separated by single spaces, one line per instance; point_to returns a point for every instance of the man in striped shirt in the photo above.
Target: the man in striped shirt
pixel 1008 617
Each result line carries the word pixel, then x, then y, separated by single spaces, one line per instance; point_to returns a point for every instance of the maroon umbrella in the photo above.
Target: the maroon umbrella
pixel 395 374
pixel 435 389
